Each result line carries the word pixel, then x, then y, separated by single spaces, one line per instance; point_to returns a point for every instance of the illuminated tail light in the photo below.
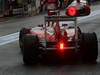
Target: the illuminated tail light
pixel 78 9
pixel 61 46
pixel 71 11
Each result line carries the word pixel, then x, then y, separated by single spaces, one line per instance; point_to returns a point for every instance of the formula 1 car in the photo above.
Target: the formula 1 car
pixel 59 41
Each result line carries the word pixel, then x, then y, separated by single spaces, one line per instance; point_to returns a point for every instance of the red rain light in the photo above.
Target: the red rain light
pixel 61 46
pixel 72 11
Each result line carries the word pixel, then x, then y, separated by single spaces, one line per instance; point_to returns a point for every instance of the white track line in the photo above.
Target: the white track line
pixel 15 36
pixel 9 38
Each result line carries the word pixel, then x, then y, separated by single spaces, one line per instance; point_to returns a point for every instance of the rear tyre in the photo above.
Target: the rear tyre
pixel 23 31
pixel 30 49
pixel 89 48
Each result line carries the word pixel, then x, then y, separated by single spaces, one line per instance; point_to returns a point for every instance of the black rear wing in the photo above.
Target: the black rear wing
pixel 59 18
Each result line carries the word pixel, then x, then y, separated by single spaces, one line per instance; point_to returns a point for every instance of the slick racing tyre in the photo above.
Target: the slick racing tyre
pixel 23 31
pixel 89 48
pixel 30 49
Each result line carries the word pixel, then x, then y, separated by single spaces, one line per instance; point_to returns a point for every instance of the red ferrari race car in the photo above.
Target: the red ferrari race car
pixel 58 41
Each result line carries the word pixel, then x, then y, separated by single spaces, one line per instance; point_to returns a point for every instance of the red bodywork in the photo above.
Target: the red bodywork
pixel 56 33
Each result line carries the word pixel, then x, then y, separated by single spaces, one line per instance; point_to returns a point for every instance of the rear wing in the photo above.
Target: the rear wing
pixel 59 18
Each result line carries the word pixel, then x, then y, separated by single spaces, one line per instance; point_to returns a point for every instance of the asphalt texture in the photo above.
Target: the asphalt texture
pixel 15 24
pixel 11 59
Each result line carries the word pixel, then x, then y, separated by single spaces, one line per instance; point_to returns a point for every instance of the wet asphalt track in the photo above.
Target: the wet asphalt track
pixel 11 58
